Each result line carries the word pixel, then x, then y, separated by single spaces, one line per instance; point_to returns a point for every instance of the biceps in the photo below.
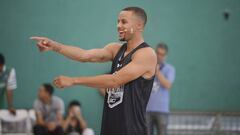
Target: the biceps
pixel 99 55
pixel 12 82
pixel 130 72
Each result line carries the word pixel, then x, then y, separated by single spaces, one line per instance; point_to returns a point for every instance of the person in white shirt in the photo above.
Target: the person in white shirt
pixel 8 83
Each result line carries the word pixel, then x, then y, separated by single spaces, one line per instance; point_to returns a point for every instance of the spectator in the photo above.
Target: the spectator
pixel 75 123
pixel 49 112
pixel 8 83
pixel 158 105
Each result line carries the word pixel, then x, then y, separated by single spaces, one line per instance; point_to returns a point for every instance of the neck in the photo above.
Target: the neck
pixel 134 42
pixel 2 68
pixel 161 63
pixel 48 100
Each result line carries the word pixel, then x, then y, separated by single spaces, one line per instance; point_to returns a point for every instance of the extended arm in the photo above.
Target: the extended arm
pixel 75 53
pixel 143 64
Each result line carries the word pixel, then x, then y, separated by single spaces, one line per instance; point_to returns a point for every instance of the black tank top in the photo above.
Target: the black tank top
pixel 125 107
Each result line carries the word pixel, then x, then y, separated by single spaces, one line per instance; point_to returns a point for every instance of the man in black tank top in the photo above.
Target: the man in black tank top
pixel 129 86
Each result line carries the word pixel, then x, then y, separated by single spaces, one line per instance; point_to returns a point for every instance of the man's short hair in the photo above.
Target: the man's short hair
pixel 2 59
pixel 74 103
pixel 48 88
pixel 162 46
pixel 139 12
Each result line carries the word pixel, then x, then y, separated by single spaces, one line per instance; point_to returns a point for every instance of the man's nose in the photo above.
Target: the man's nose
pixel 119 25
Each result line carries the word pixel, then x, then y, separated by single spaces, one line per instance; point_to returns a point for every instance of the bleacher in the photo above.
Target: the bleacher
pixel 180 123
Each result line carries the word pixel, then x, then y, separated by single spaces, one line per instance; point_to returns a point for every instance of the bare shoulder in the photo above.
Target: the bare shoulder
pixel 147 58
pixel 146 54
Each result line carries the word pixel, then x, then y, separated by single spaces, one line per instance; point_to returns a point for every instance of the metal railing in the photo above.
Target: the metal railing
pixel 202 123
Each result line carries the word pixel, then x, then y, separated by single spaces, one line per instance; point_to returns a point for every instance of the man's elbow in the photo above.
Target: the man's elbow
pixel 168 86
pixel 115 83
pixel 85 57
pixel 83 60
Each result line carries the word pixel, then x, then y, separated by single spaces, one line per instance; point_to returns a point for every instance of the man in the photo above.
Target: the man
pixel 133 68
pixel 49 112
pixel 7 84
pixel 158 105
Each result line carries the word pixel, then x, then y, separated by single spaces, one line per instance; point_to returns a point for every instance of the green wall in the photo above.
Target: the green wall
pixel 204 48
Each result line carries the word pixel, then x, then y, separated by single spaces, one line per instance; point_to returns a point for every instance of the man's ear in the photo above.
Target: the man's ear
pixel 140 26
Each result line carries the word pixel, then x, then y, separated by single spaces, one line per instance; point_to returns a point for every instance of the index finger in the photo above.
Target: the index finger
pixel 37 38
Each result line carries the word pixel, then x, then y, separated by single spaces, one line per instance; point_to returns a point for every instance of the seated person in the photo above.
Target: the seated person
pixel 8 83
pixel 74 123
pixel 49 112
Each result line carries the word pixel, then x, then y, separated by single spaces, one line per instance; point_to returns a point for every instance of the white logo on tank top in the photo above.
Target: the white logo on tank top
pixel 115 96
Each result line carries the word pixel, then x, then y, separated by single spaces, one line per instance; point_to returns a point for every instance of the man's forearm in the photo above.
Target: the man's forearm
pixel 41 122
pixel 66 123
pixel 163 81
pixel 39 119
pixel 10 98
pixel 82 123
pixel 101 81
pixel 71 52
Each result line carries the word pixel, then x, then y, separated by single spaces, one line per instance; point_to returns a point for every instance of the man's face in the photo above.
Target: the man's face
pixel 43 94
pixel 127 25
pixel 1 68
pixel 161 55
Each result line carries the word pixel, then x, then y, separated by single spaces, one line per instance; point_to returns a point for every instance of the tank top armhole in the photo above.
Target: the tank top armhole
pixel 148 79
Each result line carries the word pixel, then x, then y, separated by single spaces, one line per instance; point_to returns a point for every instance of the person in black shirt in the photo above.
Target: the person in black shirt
pixel 129 85
pixel 74 124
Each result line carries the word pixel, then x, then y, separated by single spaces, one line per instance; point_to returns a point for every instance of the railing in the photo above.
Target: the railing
pixel 202 123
